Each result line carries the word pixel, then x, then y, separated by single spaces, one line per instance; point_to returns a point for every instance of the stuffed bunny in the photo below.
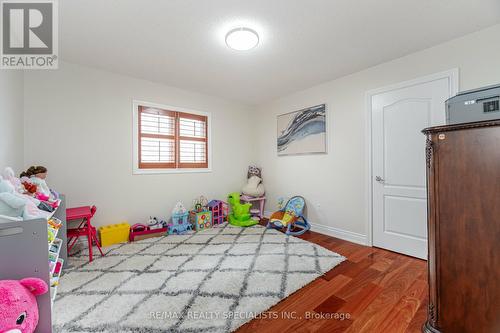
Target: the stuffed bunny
pixel 10 204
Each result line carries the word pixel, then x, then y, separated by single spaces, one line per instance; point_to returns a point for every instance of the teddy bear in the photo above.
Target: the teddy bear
pixel 18 305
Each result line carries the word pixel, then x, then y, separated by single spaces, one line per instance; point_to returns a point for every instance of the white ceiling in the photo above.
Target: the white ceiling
pixel 303 42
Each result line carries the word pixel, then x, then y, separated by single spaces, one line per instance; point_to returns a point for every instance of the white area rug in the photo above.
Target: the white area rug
pixel 211 281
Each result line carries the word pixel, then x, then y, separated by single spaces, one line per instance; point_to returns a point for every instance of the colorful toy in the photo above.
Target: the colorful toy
pixel 200 204
pixel 179 223
pixel 114 233
pixel 18 306
pixel 290 216
pixel 240 215
pixel 201 220
pixel 220 212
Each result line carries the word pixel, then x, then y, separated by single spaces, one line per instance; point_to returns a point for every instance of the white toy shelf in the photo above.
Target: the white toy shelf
pixel 26 252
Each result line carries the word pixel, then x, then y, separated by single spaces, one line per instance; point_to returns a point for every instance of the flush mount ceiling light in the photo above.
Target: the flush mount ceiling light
pixel 242 39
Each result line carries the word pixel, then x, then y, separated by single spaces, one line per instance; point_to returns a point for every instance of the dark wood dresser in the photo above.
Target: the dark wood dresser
pixel 463 176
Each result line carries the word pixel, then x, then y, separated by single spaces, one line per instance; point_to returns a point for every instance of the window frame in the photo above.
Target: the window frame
pixel 138 167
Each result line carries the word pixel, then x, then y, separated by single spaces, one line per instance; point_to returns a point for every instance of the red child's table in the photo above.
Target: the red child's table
pixel 85 227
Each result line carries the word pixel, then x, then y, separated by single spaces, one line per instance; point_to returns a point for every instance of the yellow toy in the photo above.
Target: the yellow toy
pixel 114 233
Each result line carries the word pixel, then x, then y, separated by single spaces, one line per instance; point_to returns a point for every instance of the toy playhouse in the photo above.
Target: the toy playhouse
pixel 219 210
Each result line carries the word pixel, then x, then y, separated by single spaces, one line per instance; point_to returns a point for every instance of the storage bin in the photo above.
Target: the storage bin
pixel 114 233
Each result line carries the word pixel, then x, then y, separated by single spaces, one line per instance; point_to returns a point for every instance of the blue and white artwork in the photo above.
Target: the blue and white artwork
pixel 303 131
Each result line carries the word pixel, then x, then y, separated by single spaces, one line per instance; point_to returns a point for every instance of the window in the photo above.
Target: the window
pixel 170 139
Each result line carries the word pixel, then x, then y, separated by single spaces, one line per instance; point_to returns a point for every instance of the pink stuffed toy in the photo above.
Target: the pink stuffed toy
pixel 18 306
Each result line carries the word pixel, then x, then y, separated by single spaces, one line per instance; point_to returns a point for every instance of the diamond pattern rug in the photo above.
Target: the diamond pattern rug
pixel 211 281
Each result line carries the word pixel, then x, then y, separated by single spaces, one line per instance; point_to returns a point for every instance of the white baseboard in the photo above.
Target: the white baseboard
pixel 334 232
pixel 339 233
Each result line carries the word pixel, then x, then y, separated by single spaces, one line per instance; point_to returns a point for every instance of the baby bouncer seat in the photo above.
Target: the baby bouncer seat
pixel 291 217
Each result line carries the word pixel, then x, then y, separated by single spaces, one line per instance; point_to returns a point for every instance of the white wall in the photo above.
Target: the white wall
pixel 335 184
pixel 78 123
pixel 11 119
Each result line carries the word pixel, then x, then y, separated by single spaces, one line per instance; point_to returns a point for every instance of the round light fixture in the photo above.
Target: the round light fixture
pixel 242 39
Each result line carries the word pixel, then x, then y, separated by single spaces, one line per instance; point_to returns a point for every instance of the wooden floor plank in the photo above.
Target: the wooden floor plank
pixel 419 318
pixel 360 300
pixel 403 312
pixel 393 289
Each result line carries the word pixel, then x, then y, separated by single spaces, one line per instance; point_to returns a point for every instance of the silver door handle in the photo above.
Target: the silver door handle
pixel 379 179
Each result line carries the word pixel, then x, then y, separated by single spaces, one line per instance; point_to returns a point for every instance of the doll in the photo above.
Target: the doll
pixel 21 187
pixel 37 176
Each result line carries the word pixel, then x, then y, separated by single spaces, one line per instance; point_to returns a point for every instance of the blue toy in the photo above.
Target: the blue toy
pixel 179 224
pixel 290 216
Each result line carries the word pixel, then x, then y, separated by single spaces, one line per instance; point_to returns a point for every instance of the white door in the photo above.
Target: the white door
pixel 399 195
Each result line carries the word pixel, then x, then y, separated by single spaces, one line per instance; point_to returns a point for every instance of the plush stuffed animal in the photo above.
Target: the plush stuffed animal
pixel 254 170
pixel 9 175
pixel 254 187
pixel 15 204
pixel 18 306
pixel 239 210
pixel 10 204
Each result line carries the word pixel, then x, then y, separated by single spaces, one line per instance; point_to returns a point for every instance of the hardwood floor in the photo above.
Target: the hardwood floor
pixel 374 289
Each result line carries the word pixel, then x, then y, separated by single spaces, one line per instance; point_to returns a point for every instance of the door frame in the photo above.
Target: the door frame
pixel 453 78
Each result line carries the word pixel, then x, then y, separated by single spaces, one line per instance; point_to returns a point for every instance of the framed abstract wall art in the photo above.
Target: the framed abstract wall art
pixel 303 131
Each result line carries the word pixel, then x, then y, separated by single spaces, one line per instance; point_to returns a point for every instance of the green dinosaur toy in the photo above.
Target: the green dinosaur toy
pixel 240 213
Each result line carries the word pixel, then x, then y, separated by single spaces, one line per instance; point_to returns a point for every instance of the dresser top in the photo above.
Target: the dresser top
pixel 456 127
